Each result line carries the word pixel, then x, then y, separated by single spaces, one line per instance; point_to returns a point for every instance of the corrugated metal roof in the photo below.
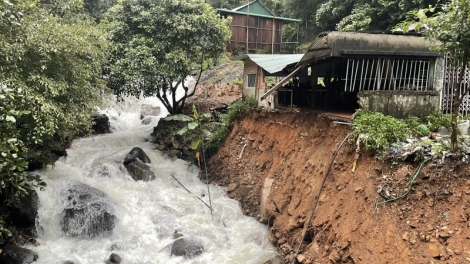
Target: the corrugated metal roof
pixel 272 63
pixel 255 7
pixel 357 43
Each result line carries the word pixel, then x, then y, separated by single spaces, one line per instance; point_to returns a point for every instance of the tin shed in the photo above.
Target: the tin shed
pixel 393 74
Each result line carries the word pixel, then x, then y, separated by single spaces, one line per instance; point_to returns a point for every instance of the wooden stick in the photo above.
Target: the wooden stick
pixel 165 247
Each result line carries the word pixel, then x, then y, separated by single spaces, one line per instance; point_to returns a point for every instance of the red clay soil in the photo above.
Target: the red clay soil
pixel 294 149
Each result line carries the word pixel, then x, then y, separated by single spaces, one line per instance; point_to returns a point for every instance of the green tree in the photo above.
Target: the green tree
pixel 364 14
pixel 157 44
pixel 228 4
pixel 51 55
pixel 449 29
pixel 304 10
pixel 96 8
pixel 49 85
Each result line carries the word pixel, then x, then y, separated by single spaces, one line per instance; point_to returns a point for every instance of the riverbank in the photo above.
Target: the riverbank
pixel 273 163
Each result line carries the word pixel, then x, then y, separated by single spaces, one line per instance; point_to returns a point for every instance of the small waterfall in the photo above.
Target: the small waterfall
pixel 140 217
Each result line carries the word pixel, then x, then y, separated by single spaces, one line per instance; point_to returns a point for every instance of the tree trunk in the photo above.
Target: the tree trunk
pixel 457 99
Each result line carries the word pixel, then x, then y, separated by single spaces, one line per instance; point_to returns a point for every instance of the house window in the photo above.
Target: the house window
pixel 389 74
pixel 250 80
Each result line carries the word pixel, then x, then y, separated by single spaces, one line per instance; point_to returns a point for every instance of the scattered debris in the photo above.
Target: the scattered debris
pixel 241 152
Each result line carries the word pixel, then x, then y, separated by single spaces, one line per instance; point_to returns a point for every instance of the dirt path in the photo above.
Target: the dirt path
pixel 292 151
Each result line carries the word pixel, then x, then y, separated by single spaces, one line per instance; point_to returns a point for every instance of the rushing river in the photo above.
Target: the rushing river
pixel 147 212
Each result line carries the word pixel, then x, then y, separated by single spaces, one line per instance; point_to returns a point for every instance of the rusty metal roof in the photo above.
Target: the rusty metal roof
pixel 339 44
pixel 272 63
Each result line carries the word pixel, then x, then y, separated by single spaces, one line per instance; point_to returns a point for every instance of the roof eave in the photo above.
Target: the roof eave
pixel 248 5
pixel 243 13
pixel 392 53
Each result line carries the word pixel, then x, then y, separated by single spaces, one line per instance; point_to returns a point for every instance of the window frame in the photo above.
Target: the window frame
pixel 248 75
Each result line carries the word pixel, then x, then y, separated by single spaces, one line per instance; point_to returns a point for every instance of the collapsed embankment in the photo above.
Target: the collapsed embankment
pixel 287 154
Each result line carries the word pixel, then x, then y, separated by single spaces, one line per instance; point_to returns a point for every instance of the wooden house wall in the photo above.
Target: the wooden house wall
pixel 259 33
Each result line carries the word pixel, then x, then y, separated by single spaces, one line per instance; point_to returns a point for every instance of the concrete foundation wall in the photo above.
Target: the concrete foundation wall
pixel 400 104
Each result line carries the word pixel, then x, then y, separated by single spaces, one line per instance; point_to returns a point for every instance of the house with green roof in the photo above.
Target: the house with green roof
pixel 255 27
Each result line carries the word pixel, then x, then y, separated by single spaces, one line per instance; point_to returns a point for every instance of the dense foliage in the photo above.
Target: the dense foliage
pixel 158 43
pixel 228 4
pixel 365 15
pixel 51 55
pixel 97 8
pixel 379 132
pixel 51 61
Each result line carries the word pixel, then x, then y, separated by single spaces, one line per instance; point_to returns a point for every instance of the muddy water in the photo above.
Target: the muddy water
pixel 147 212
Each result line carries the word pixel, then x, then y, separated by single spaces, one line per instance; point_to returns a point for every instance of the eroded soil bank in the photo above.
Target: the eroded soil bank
pixel 292 150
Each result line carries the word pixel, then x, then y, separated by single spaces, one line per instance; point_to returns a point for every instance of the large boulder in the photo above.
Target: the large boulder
pixel 149 110
pixel 140 171
pixel 17 255
pixel 170 143
pixel 134 161
pixel 53 151
pixel 134 154
pixel 23 210
pixel 100 124
pixel 88 212
pixel 187 247
pixel 114 259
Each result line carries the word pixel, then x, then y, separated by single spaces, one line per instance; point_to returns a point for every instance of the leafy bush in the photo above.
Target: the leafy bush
pixel 200 124
pixel 234 110
pixel 13 151
pixel 417 127
pixel 438 120
pixel 379 131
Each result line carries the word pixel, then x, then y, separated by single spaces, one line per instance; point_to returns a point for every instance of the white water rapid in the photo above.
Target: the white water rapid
pixel 147 212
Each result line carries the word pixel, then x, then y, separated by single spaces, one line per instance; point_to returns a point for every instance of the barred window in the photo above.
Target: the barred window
pixel 388 74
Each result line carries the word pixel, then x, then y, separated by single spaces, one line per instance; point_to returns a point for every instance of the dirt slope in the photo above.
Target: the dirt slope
pixel 294 149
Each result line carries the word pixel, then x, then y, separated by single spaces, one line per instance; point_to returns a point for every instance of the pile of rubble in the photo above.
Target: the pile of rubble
pixel 435 146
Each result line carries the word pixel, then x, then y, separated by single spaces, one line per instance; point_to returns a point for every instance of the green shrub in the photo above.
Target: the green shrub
pixel 438 120
pixel 233 110
pixel 417 127
pixel 379 131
